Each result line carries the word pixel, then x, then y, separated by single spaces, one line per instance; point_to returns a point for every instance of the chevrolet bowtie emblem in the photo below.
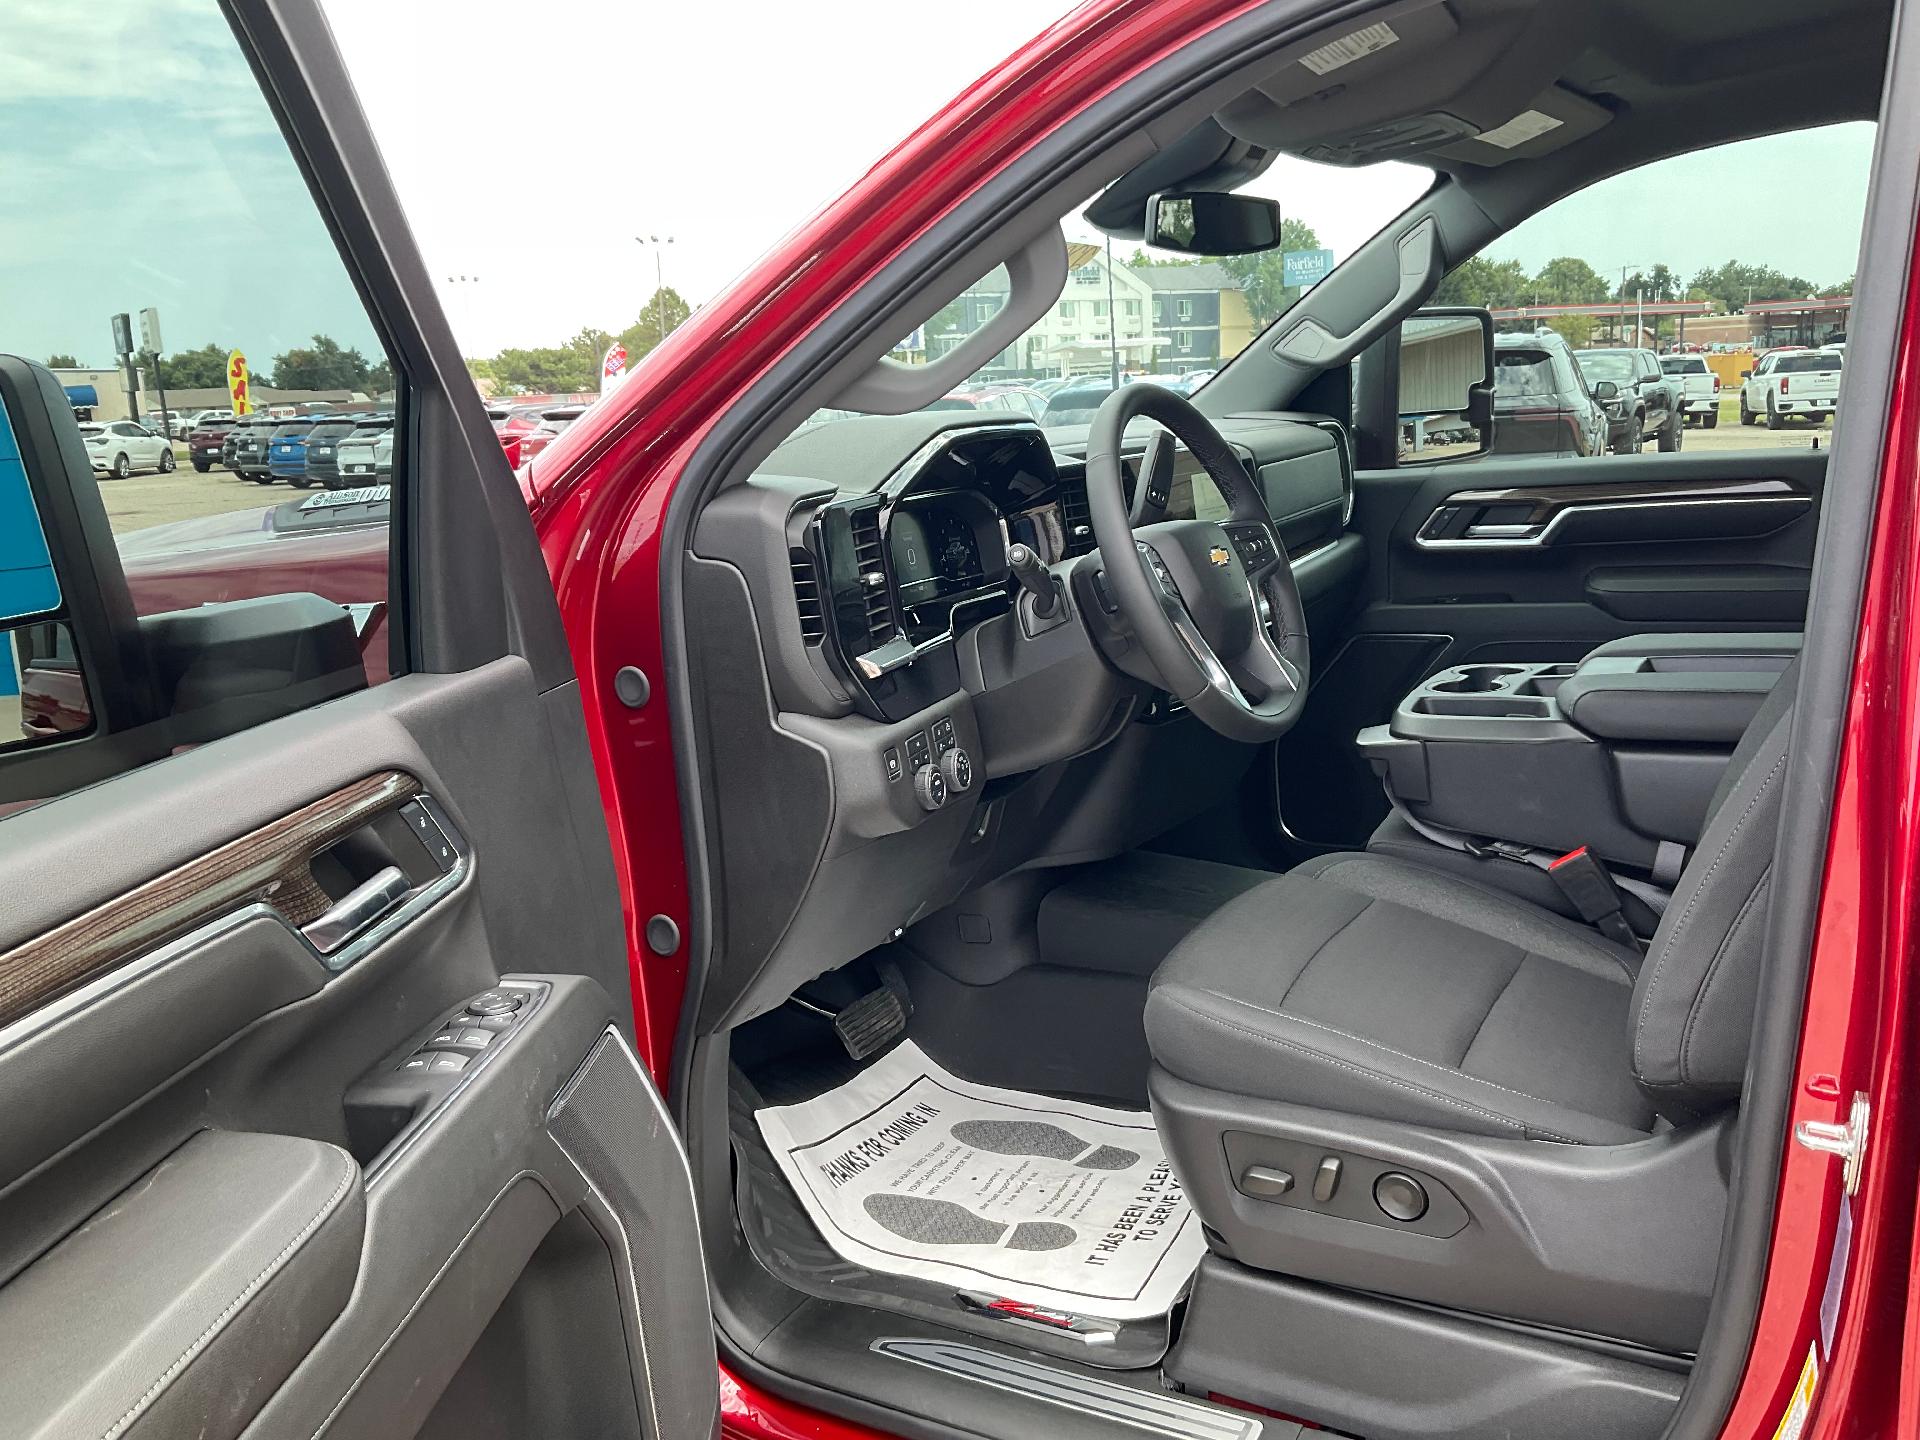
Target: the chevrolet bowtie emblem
pixel 1218 555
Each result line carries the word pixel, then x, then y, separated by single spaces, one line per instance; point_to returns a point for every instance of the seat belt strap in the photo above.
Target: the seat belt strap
pixel 1669 859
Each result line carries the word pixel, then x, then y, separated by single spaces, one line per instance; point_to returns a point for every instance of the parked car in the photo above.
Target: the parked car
pixel 207 440
pixel 120 447
pixel 366 456
pixel 1542 404
pixel 245 449
pixel 1794 383
pixel 513 424
pixel 1700 388
pixel 1075 402
pixel 1644 401
pixel 287 451
pixel 322 465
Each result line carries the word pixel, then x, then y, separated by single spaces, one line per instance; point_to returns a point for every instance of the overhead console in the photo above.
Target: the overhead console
pixel 1455 79
pixel 1618 753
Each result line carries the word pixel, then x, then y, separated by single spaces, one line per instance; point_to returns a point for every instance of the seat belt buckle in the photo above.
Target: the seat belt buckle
pixel 1589 888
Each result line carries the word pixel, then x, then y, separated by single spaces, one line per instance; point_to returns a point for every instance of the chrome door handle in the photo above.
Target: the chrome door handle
pixel 357 909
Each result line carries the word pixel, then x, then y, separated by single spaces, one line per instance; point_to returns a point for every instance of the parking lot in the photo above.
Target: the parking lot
pixel 144 499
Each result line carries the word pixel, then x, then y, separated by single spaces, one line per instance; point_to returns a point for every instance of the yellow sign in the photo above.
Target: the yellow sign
pixel 238 384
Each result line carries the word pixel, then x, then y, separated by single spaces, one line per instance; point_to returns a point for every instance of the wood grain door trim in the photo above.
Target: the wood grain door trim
pixel 271 864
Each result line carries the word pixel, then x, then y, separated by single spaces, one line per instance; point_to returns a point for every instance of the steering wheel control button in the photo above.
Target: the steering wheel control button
pixel 929 788
pixel 896 767
pixel 1401 1197
pixel 956 768
pixel 1326 1179
pixel 1264 1182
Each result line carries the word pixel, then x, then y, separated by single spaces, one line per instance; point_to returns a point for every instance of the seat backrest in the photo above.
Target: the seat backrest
pixel 1693 1003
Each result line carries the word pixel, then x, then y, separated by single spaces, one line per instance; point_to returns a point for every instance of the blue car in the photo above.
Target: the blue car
pixel 287 451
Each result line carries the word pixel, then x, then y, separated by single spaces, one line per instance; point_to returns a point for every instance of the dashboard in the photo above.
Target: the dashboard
pixel 890 721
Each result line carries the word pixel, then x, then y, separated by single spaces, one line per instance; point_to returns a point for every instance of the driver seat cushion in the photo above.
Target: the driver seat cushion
pixel 1371 986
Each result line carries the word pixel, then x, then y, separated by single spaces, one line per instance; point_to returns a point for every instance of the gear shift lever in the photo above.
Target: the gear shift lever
pixel 1034 578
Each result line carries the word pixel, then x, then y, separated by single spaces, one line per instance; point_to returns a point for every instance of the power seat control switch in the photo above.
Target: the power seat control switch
pixel 1326 1179
pixel 1265 1182
pixel 1400 1197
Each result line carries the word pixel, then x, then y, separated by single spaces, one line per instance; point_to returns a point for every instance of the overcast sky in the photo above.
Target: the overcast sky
pixel 530 147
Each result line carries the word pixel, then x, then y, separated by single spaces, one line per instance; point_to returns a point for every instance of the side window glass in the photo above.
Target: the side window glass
pixel 150 543
pixel 1700 258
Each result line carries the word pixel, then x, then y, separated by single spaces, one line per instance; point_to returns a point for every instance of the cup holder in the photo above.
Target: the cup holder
pixel 1479 679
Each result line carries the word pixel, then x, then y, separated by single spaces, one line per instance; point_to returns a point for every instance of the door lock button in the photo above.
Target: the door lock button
pixel 1401 1197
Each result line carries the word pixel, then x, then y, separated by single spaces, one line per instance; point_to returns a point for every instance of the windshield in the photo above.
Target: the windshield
pixel 1131 313
pixel 1596 367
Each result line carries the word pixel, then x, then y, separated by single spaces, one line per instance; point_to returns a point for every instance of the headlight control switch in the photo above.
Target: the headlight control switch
pixel 929 787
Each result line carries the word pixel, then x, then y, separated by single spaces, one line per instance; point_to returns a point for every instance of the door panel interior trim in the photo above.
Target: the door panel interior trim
pixel 268 866
pixel 1531 516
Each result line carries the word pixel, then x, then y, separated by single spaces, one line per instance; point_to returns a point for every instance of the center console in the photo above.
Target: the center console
pixel 1619 752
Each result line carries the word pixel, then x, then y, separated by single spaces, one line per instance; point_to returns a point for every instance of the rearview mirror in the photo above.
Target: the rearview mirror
pixel 1606 390
pixel 1212 222
pixel 1446 384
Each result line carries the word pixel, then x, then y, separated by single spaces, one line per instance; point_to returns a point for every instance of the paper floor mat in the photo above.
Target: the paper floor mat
pixel 912 1171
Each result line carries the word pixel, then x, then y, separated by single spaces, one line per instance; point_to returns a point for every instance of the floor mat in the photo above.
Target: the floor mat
pixel 908 1170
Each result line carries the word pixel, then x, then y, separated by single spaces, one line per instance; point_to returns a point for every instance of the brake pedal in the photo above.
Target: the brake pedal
pixel 871 1023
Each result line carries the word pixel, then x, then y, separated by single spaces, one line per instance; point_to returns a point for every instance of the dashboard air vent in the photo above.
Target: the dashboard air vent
pixel 1075 518
pixel 806 596
pixel 867 548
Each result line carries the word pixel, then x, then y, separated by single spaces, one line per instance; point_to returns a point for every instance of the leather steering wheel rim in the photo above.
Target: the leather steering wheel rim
pixel 1253 693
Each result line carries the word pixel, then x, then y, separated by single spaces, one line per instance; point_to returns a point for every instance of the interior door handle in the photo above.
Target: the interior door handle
pixel 357 909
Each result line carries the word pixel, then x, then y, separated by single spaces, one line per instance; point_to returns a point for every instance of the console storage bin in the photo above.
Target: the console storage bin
pixel 1619 752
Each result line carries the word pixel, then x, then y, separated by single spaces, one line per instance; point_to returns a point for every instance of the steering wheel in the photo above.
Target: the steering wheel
pixel 1213 603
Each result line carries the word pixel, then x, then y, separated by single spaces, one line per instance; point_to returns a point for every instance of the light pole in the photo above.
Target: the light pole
pixel 655 243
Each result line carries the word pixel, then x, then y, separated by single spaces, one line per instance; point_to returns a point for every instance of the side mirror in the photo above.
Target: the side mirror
pixel 1211 222
pixel 90 688
pixel 1446 384
pixel 1746 374
pixel 1606 390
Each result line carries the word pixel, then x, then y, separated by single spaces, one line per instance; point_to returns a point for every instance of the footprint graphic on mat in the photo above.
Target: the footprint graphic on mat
pixel 941 1222
pixel 1036 1137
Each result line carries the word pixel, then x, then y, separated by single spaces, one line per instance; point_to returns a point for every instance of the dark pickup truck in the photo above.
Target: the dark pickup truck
pixel 1645 400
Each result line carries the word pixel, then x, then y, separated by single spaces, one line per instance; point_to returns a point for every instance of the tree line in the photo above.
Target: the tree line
pixel 575 365
pixel 1569 280
pixel 322 365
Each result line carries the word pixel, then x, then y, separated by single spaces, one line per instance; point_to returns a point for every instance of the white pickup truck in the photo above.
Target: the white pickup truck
pixel 1699 388
pixel 1791 383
